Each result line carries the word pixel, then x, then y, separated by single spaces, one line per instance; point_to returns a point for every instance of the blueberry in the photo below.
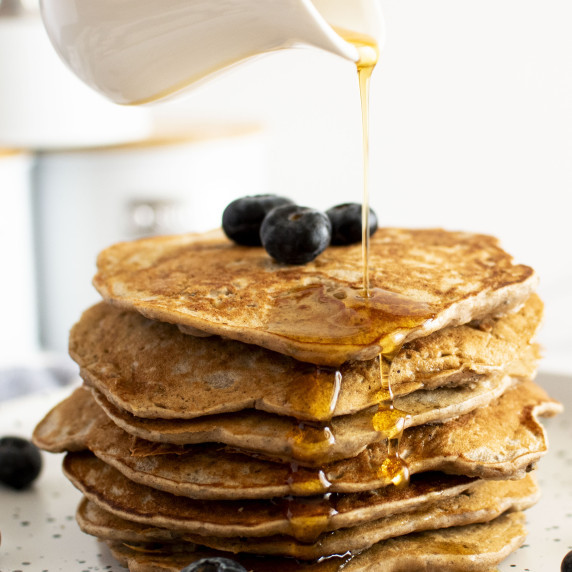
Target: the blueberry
pixel 242 218
pixel 214 564
pixel 567 563
pixel 20 462
pixel 294 234
pixel 346 223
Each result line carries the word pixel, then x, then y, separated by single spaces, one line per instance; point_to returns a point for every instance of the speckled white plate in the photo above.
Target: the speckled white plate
pixel 39 533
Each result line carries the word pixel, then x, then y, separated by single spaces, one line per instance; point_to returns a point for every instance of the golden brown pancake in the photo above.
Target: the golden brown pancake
pixel 218 372
pixel 151 370
pixel 471 548
pixel 484 501
pixel 274 436
pixel 500 441
pixel 421 282
pixel 110 490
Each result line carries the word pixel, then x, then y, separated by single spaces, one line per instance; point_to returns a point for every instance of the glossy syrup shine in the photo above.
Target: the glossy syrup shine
pixel 335 314
pixel 388 421
pixel 310 516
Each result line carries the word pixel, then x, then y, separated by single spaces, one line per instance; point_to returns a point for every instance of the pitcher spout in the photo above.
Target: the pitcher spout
pixel 137 51
pixel 363 17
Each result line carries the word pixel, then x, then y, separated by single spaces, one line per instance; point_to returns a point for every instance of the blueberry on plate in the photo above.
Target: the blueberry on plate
pixel 20 462
pixel 295 235
pixel 242 217
pixel 567 563
pixel 214 564
pixel 346 223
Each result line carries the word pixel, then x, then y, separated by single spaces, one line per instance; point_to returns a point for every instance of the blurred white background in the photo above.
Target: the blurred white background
pixel 471 126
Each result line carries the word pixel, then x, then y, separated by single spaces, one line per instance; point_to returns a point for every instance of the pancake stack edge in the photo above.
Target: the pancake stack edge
pixel 266 436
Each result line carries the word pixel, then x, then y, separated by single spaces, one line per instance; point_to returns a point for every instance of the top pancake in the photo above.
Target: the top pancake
pixel 421 281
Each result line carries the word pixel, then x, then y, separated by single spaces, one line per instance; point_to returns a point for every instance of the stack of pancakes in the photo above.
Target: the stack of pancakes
pixel 276 415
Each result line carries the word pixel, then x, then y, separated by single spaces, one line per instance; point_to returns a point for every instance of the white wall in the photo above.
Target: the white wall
pixel 471 129
pixel 18 338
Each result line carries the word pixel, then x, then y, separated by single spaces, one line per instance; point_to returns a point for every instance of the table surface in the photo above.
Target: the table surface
pixel 39 532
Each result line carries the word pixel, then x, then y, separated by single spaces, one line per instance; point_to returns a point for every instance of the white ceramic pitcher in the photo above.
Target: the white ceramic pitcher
pixel 136 51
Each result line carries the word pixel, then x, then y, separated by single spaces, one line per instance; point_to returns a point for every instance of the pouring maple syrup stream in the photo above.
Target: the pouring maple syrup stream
pixel 388 420
pixel 311 517
pixel 368 56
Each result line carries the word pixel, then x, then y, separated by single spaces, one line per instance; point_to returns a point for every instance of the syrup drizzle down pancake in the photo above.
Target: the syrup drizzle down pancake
pixel 110 490
pixel 503 440
pixel 482 502
pixel 271 435
pixel 236 405
pixel 421 281
pixel 151 370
